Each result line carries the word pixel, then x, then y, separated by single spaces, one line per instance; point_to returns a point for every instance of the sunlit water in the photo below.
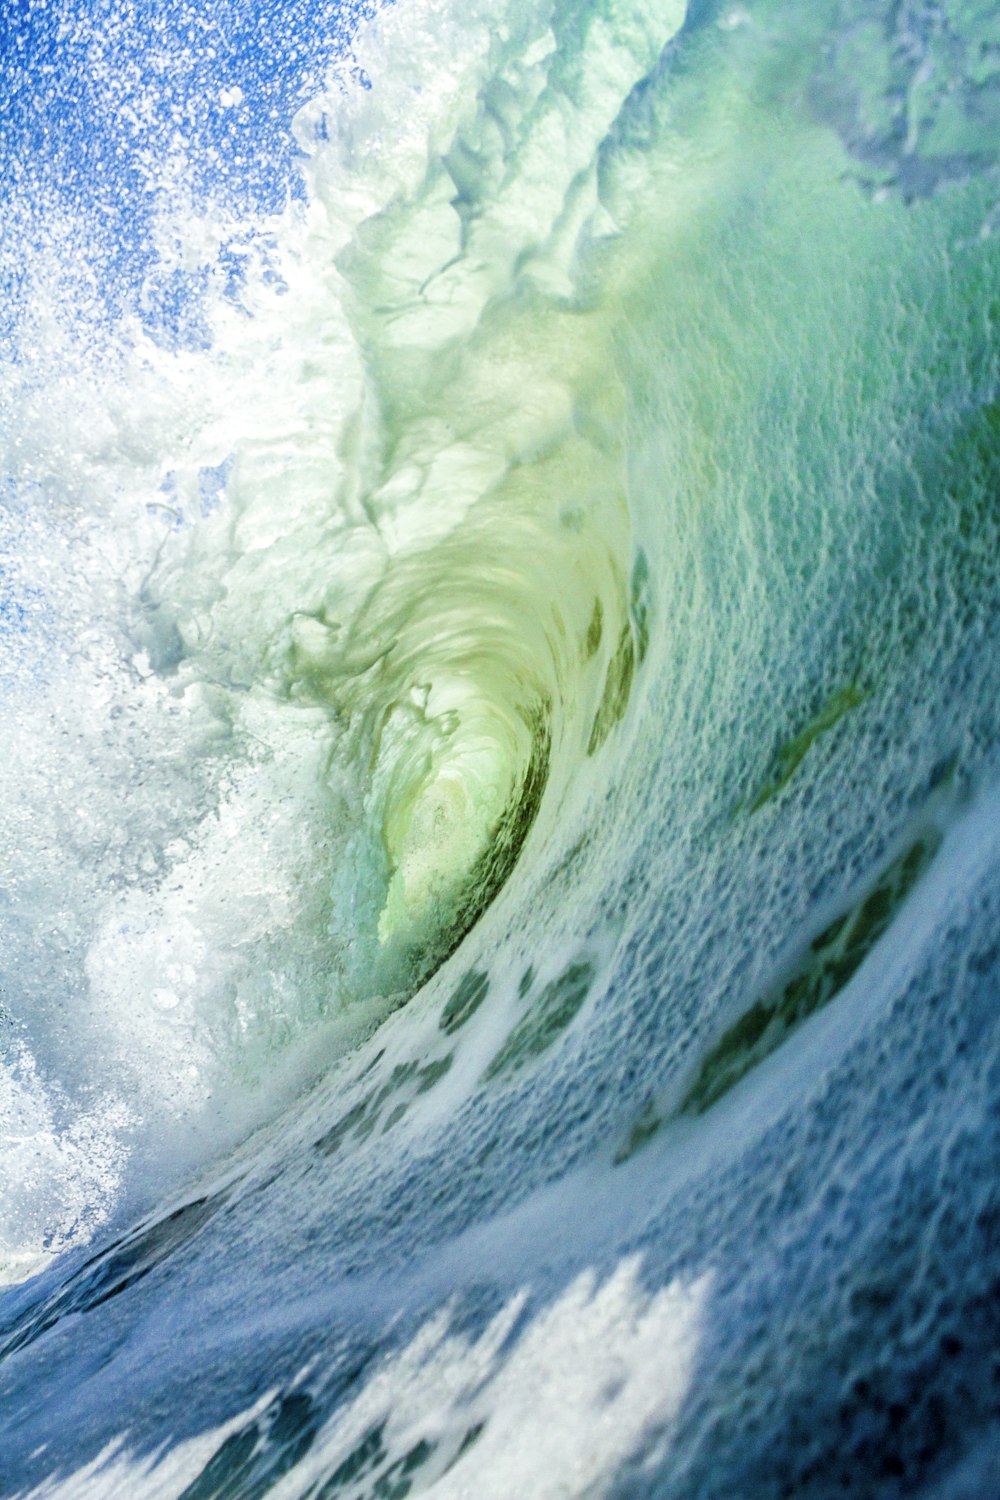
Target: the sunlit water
pixel 500 691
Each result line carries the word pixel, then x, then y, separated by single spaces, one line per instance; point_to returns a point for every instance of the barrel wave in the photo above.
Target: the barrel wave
pixel 501 751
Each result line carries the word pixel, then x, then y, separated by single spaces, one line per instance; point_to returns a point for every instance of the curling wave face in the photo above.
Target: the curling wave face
pixel 500 812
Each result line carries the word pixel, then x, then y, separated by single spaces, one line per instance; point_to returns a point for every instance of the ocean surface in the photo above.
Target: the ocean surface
pixel 500 750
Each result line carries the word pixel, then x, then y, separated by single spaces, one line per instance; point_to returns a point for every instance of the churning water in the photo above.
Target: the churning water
pixel 500 725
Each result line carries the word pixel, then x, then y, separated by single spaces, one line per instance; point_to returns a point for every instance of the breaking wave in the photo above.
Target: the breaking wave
pixel 498 580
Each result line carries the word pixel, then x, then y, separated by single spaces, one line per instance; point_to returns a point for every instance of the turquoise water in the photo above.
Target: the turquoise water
pixel 500 817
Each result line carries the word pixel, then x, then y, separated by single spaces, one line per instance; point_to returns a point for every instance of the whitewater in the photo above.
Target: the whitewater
pixel 500 750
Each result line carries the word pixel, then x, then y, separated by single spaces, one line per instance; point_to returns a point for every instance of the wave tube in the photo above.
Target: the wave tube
pixel 501 870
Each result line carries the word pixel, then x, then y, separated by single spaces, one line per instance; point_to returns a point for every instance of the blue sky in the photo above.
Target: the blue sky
pixel 228 78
